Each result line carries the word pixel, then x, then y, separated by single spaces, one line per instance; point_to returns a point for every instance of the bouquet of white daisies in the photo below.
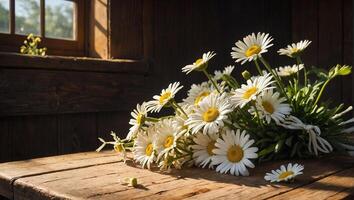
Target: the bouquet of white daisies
pixel 229 124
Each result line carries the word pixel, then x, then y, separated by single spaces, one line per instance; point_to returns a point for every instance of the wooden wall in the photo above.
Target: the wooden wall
pixel 329 25
pixel 62 106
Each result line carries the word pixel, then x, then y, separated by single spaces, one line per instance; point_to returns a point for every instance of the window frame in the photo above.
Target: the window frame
pixel 11 42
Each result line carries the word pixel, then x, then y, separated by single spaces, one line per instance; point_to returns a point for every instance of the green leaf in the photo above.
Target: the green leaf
pixel 266 151
pixel 344 70
pixel 279 145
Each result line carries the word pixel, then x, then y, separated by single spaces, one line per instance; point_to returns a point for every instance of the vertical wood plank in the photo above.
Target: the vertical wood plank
pixel 126 27
pixel 277 20
pixel 5 141
pixel 99 32
pixel 305 26
pixel 117 122
pixel 33 136
pixel 330 43
pixel 77 132
pixel 347 18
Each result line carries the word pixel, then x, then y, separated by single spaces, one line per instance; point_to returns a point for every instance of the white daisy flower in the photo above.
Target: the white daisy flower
pixel 139 114
pixel 203 148
pixel 284 173
pixel 179 121
pixel 289 70
pixel 166 137
pixel 246 93
pixel 233 153
pixel 251 47
pixel 144 149
pixel 166 95
pixel 210 114
pixel 270 106
pixel 227 71
pixel 294 49
pixel 197 93
pixel 200 64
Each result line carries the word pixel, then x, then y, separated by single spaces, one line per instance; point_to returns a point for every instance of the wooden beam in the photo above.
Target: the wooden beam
pixel 33 92
pixel 66 63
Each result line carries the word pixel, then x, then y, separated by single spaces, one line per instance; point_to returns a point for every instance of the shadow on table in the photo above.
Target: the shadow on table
pixel 315 169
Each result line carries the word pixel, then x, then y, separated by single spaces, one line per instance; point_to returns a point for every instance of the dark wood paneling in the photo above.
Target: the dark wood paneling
pixel 347 18
pixel 33 136
pixel 113 121
pixel 330 43
pixel 77 132
pixel 305 27
pixel 5 141
pixel 276 22
pixel 44 92
pixel 126 28
pixel 328 24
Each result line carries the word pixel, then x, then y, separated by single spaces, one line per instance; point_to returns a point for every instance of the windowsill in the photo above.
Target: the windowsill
pixel 66 63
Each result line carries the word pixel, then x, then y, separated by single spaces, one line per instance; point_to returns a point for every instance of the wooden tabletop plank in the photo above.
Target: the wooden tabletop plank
pixel 105 182
pixel 336 186
pixel 11 171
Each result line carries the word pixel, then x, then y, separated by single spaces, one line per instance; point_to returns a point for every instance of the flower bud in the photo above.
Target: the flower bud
pixel 246 74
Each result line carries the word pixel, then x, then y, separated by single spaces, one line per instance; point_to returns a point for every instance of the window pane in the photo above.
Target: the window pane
pixel 4 16
pixel 59 19
pixel 27 13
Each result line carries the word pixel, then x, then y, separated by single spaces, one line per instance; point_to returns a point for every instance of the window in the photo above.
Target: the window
pixel 58 22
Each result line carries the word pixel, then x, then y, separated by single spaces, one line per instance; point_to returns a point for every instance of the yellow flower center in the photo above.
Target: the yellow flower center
pixel 200 97
pixel 198 62
pixel 210 115
pixel 164 97
pixel 235 154
pixel 255 49
pixel 294 50
pixel 285 174
pixel 168 141
pixel 210 148
pixel 250 92
pixel 149 149
pixel 140 119
pixel 118 148
pixel 268 107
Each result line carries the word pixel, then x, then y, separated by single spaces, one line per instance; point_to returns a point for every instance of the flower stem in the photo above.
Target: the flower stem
pixel 277 79
pixel 257 114
pixel 151 119
pixel 298 60
pixel 321 91
pixel 211 79
pixel 257 66
pixel 178 107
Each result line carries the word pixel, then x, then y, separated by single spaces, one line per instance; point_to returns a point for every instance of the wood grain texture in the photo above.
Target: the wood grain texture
pixel 67 63
pixel 52 92
pixel 33 136
pixel 5 141
pixel 77 133
pixel 105 182
pixel 330 47
pixel 12 171
pixel 336 186
pixel 305 24
pixel 126 29
pixel 347 18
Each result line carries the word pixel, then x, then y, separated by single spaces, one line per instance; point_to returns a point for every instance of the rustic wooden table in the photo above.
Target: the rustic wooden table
pixel 100 176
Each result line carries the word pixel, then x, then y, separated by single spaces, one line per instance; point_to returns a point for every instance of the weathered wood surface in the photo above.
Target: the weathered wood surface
pixel 101 176
pixel 12 171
